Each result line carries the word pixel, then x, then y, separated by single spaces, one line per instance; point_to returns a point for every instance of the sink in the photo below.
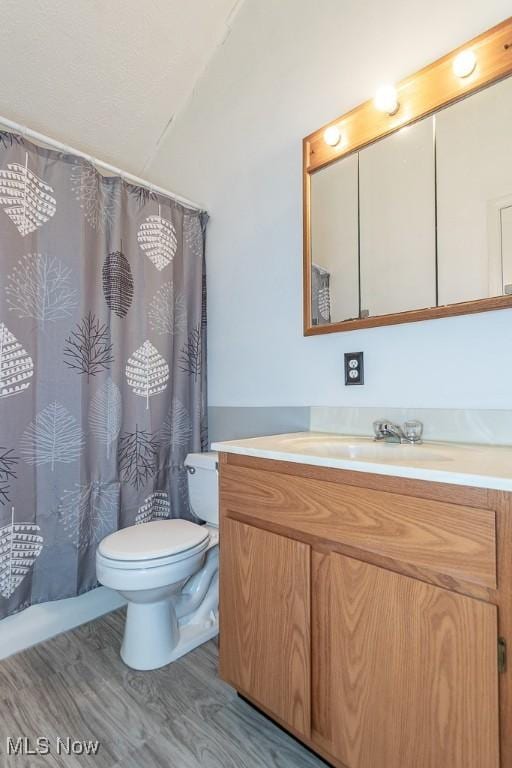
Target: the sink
pixel 361 449
pixel 483 466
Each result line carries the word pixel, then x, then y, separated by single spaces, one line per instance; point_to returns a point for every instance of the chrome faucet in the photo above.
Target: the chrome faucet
pixel 393 433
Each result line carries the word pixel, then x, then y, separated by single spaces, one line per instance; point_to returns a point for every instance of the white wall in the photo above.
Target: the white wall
pixel 288 67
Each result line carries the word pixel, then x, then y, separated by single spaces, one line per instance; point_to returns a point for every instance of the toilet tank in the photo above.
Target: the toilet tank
pixel 203 485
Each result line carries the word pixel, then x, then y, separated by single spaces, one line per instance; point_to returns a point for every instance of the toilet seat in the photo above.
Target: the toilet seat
pixel 154 544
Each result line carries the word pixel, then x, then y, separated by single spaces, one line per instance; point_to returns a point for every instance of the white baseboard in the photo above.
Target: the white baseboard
pixel 40 622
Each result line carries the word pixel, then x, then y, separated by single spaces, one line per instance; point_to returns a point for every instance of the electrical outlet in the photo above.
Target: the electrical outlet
pixel 354 368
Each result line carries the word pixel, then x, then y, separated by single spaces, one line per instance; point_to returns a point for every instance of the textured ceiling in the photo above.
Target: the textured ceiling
pixel 106 76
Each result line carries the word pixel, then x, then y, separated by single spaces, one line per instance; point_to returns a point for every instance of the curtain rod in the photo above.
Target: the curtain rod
pixel 41 138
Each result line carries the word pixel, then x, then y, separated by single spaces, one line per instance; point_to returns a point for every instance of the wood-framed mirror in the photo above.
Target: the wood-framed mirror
pixel 408 203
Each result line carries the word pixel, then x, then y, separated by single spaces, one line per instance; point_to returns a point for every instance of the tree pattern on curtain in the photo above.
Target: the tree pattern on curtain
pixel 102 365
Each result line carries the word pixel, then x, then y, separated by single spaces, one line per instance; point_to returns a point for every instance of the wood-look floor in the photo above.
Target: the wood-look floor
pixel 181 716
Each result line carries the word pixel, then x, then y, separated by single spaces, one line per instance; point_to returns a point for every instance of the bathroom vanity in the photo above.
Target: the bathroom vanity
pixel 366 596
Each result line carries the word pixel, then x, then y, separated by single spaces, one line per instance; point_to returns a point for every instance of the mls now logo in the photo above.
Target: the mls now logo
pixel 43 746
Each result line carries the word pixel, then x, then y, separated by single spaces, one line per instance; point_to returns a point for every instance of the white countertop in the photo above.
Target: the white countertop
pixel 482 466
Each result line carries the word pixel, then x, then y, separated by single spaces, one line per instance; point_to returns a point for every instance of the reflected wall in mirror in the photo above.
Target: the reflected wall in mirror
pixel 409 216
pixel 397 222
pixel 474 196
pixel 334 243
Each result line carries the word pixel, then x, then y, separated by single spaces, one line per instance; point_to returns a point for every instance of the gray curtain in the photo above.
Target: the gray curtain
pixel 102 365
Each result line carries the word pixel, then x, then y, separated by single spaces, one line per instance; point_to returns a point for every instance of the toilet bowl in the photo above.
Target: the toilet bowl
pixel 167 570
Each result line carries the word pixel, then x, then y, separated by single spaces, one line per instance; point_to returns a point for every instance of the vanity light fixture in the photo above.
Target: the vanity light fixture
pixel 332 136
pixel 464 63
pixel 386 99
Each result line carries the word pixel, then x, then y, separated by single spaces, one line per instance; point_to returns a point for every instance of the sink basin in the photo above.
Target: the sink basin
pixel 360 449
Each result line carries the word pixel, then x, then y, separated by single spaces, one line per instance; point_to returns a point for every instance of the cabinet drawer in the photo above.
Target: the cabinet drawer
pixel 446 539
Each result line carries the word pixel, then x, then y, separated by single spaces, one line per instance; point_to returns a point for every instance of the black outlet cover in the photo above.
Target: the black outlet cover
pixel 354 368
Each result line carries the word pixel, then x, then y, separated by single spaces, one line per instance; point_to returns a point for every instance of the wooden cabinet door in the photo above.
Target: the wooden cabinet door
pixel 404 673
pixel 265 621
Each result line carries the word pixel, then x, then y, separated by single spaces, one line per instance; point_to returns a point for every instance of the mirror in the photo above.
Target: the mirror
pixel 416 223
pixel 335 242
pixel 474 196
pixel 397 222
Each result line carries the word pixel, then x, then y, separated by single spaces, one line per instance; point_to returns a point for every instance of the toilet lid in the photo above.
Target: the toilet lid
pixel 159 538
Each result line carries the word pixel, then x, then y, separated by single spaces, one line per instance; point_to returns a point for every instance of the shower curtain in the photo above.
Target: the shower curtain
pixel 102 365
pixel 320 295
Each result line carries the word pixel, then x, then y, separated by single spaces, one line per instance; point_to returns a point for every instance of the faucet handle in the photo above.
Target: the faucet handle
pixel 413 431
pixel 378 428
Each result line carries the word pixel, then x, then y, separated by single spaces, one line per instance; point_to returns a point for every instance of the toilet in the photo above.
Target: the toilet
pixel 167 570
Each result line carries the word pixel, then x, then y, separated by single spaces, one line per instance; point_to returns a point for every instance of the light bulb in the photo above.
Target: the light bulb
pixel 386 99
pixel 332 136
pixel 464 63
